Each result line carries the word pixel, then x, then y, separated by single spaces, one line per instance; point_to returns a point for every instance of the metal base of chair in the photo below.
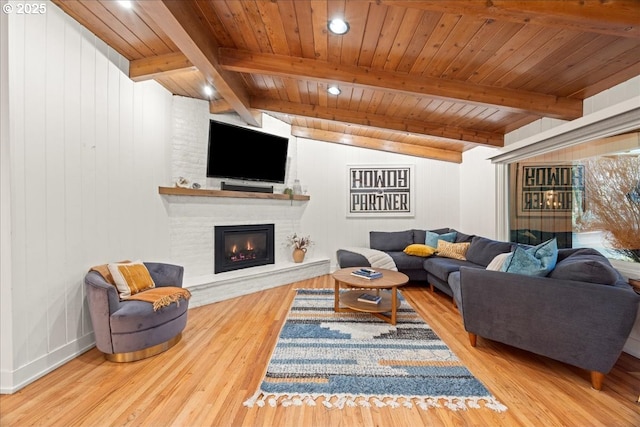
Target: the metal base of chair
pixel 132 356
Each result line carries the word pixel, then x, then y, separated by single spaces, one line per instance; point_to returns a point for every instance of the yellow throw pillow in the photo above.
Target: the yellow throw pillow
pixel 452 250
pixel 131 278
pixel 419 250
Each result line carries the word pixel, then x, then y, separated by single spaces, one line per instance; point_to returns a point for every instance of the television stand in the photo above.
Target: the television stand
pixel 249 188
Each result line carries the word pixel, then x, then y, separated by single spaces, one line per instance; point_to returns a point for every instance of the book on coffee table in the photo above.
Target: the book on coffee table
pixel 367 273
pixel 371 299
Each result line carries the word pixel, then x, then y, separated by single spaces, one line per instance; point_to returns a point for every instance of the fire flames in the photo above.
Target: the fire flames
pixel 247 253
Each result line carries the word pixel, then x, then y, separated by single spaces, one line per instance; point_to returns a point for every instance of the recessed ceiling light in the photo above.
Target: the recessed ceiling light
pixel 338 26
pixel 334 90
pixel 208 90
pixel 126 4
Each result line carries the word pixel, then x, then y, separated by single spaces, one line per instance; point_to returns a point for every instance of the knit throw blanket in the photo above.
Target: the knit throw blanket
pixel 376 258
pixel 160 297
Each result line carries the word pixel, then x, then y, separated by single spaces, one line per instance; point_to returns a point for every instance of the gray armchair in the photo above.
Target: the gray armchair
pixel 128 330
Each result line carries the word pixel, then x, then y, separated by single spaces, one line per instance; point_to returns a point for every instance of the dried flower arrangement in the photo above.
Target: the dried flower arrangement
pixel 299 242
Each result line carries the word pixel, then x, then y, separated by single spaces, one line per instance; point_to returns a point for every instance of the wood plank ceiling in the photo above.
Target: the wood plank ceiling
pixel 424 78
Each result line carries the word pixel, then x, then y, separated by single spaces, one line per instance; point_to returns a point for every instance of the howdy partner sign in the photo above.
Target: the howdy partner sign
pixel 550 189
pixel 380 191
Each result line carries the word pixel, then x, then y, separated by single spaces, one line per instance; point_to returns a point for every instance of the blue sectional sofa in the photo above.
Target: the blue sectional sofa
pixel 580 313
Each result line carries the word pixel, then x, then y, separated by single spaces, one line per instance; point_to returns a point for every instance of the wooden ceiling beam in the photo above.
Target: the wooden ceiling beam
pixel 619 18
pixel 416 127
pixel 181 23
pixel 219 106
pixel 378 144
pixel 365 77
pixel 157 66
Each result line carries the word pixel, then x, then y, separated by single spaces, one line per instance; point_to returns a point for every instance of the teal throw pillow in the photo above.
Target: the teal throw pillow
pixel 432 238
pixel 536 261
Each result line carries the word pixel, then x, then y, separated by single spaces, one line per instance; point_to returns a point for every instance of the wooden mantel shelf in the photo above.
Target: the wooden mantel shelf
pixel 202 192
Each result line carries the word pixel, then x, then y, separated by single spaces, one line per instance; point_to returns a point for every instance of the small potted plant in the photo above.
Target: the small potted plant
pixel 300 244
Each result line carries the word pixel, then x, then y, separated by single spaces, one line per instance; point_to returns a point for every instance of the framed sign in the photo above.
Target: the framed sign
pixel 380 190
pixel 549 189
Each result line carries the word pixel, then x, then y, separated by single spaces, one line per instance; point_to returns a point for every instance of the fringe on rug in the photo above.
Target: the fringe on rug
pixel 453 403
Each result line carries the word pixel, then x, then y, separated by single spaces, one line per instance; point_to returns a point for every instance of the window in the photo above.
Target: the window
pixel 585 195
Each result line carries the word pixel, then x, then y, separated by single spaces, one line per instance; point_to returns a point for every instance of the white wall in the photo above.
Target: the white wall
pixel 88 149
pixel 478 193
pixel 6 320
pixel 322 167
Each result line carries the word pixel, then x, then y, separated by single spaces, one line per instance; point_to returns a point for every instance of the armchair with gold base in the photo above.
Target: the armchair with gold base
pixel 142 325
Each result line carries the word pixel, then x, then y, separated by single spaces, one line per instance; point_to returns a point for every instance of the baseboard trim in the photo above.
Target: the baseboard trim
pixel 13 381
pixel 632 347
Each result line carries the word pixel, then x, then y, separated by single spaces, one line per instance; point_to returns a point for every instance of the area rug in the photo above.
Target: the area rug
pixel 356 359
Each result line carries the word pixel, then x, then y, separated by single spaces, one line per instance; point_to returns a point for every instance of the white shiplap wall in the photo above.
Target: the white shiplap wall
pixel 88 149
pixel 6 320
pixel 322 168
pixel 478 192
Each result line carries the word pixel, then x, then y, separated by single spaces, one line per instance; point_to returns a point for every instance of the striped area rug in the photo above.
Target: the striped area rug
pixel 356 359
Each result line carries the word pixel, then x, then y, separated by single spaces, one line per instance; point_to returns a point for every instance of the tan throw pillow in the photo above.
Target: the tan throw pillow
pixel 496 263
pixel 453 250
pixel 131 278
pixel 417 249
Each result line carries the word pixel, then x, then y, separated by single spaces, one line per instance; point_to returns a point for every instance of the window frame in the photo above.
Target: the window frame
pixel 617 119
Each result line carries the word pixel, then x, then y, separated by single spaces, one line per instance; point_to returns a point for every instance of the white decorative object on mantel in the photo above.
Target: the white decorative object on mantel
pixel 183 182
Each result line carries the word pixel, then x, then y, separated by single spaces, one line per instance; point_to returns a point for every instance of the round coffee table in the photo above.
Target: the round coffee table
pixel 389 304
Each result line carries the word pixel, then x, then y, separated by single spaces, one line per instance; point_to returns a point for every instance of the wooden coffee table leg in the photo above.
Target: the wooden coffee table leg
pixel 336 296
pixel 394 303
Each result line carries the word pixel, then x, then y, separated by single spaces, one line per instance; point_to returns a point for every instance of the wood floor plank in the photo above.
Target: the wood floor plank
pixel 221 359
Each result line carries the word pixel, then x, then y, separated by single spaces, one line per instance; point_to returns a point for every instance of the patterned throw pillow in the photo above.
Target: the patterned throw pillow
pixel 432 238
pixel 536 261
pixel 131 278
pixel 453 250
pixel 417 249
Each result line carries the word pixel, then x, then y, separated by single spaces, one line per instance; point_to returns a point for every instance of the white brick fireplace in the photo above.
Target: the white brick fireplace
pixel 192 219
pixel 191 223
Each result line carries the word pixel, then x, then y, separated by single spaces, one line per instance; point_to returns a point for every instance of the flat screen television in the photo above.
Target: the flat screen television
pixel 245 154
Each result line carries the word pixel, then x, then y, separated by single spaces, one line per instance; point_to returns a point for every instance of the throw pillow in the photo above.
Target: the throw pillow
pixel 452 250
pixel 419 250
pixel 131 278
pixel 432 238
pixel 497 261
pixel 536 261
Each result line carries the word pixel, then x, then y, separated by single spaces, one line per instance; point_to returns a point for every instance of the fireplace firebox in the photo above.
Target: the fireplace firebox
pixel 242 246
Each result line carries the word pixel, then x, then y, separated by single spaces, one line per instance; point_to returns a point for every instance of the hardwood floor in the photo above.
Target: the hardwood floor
pixel 204 379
